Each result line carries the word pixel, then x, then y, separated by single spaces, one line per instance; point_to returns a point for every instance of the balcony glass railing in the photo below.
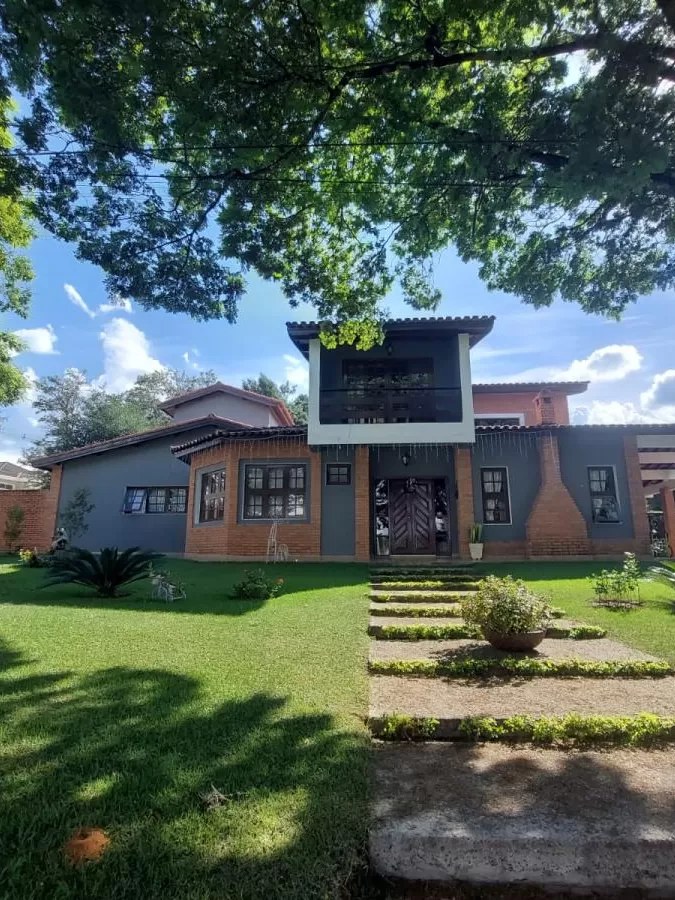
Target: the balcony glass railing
pixel 390 405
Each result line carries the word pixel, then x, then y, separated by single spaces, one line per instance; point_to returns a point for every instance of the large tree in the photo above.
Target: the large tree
pixel 15 270
pixel 73 412
pixel 298 404
pixel 337 145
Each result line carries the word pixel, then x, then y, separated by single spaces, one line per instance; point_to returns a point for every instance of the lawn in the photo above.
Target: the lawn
pixel 650 627
pixel 120 714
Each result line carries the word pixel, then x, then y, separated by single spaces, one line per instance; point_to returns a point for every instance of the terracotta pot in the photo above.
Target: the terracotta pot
pixel 516 642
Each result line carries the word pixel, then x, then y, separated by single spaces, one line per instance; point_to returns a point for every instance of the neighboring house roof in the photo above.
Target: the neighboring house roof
pixel 9 468
pixel 633 428
pixel 279 407
pixel 222 436
pixel 140 437
pixel 518 387
pixel 475 326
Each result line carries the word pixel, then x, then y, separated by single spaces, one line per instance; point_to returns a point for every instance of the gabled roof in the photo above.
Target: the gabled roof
pixel 279 407
pixel 222 436
pixel 10 468
pixel 475 326
pixel 140 437
pixel 518 387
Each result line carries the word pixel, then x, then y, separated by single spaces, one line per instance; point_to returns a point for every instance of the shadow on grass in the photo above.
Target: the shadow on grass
pixel 209 587
pixel 131 751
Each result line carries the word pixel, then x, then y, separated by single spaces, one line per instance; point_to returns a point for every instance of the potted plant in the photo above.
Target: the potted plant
pixel 510 615
pixel 476 541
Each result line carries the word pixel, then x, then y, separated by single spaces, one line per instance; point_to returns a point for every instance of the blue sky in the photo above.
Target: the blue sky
pixel 629 363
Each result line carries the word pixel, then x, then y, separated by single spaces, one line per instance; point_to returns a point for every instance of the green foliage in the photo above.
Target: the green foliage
pixel 556 612
pixel 641 730
pixel 334 151
pixel 427 632
pixel 14 519
pixel 663 574
pixel 75 512
pixel 416 585
pixel 475 533
pixel 33 560
pixel 256 585
pixel 363 335
pixel 400 727
pixel 583 632
pixel 505 606
pixel 526 667
pixel 418 612
pixel 107 572
pixel 298 404
pixel 73 413
pixel 619 586
pixel 419 596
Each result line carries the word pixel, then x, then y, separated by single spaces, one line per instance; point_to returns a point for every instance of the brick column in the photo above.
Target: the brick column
pixel 637 497
pixel 465 510
pixel 362 517
pixel 555 526
pixel 668 507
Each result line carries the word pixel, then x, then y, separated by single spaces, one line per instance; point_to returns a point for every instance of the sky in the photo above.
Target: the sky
pixel 72 324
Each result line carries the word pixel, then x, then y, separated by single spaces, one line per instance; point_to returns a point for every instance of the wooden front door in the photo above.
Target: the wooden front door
pixel 411 516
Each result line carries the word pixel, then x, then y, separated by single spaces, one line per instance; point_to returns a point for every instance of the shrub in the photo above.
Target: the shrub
pixel 106 572
pixel 257 586
pixel 399 727
pixel 33 560
pixel 640 730
pixel 74 513
pixel 505 606
pixel 619 587
pixel 13 526
pixel 428 632
pixel 475 533
pixel 527 667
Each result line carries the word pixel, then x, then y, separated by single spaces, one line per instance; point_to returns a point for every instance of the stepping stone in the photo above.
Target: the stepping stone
pixel 458 698
pixel 552 648
pixel 427 613
pixel 495 814
pixel 417 597
pixel 379 621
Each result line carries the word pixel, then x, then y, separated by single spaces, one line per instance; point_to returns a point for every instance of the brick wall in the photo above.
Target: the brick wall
pixel 555 526
pixel 362 503
pixel 235 539
pixel 465 511
pixel 521 403
pixel 40 509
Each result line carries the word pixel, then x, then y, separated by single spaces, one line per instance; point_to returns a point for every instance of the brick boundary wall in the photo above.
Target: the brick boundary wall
pixel 40 508
pixel 555 526
pixel 362 504
pixel 238 540
pixel 465 510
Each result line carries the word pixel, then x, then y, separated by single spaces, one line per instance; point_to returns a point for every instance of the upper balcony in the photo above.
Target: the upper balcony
pixel 415 388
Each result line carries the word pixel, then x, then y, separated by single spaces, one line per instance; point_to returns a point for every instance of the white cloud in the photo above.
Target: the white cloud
pixel 31 379
pixel 33 421
pixel 126 355
pixel 186 357
pixel 38 340
pixel 118 304
pixel 297 372
pixel 609 412
pixel 75 297
pixel 660 396
pixel 9 450
pixel 610 363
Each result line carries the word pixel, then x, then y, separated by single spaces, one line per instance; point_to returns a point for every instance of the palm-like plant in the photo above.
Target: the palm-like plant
pixel 106 572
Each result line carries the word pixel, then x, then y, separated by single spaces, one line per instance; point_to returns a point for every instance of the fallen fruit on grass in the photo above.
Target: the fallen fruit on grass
pixel 85 845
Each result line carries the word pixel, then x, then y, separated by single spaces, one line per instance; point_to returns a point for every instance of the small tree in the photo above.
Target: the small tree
pixel 75 511
pixel 13 527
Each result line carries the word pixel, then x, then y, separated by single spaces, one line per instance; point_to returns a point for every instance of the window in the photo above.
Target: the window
pixel 338 473
pixel 388 390
pixel 274 492
pixel 496 504
pixel 486 419
pixel 212 496
pixel 604 501
pixel 155 500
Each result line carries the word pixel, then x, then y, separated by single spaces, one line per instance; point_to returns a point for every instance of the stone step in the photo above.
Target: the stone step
pixel 456 698
pixel 424 569
pixel 497 814
pixel 379 621
pixel 429 587
pixel 378 624
pixel 421 579
pixel 550 648
pixel 425 597
pixel 429 611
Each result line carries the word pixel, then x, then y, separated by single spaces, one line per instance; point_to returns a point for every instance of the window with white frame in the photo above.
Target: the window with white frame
pixel 604 498
pixel 495 491
pixel 274 491
pixel 152 500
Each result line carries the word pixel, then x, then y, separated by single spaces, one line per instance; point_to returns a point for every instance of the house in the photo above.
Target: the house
pixel 16 478
pixel 401 454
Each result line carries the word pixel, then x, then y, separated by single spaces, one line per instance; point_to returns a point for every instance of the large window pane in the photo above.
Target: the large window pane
pixel 604 499
pixel 496 501
pixel 274 492
pixel 212 497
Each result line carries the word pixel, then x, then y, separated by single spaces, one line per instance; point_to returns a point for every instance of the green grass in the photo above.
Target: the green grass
pixel 650 627
pixel 118 714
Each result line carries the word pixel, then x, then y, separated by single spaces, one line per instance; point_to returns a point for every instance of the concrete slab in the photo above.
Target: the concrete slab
pixel 455 698
pixel 495 814
pixel 553 648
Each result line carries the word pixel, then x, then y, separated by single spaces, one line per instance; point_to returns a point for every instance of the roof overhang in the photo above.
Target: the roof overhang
pixel 301 333
pixel 283 433
pixel 528 387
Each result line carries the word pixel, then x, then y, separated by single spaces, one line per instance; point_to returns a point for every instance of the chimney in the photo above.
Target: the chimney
pixel 544 411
